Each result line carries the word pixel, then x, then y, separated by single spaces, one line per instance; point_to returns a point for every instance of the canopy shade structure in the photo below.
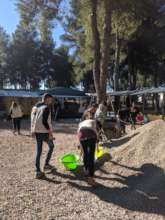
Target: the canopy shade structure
pixel 134 92
pixel 73 93
pixel 19 93
pixel 138 92
pixel 56 92
pixel 115 93
pixel 65 92
pixel 149 91
pixel 121 93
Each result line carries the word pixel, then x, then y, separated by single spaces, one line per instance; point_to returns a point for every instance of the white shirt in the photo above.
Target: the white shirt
pixel 87 124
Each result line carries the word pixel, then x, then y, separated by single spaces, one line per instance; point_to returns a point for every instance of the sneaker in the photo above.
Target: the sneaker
pixel 48 167
pixel 40 175
pixel 91 181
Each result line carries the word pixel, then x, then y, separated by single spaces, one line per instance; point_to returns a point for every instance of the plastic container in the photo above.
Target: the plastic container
pixel 99 152
pixel 70 161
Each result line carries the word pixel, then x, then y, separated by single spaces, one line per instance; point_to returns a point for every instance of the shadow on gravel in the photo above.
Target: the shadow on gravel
pixel 65 127
pixel 78 174
pixel 121 141
pixel 143 192
pixel 50 180
pixel 66 130
pixel 25 125
pixel 101 161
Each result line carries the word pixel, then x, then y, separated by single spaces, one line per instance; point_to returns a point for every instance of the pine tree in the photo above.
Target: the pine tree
pixel 4 46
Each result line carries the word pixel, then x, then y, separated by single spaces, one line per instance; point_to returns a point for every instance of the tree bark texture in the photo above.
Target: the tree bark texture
pixel 96 48
pixel 101 56
pixel 105 48
pixel 117 61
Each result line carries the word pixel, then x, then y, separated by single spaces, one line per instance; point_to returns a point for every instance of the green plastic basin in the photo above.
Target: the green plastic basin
pixel 70 161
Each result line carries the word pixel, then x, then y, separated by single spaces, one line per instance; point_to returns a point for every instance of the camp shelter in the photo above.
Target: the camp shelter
pixel 25 98
pixel 145 97
pixel 70 100
pixel 63 92
pixel 153 99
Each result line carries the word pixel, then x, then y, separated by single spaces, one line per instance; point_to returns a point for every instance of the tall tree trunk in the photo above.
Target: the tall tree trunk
pixel 145 81
pixel 131 68
pixel 156 97
pixel 101 58
pixel 1 84
pixel 134 79
pixel 117 62
pixel 1 79
pixel 132 76
pixel 96 48
pixel 105 49
pixel 116 70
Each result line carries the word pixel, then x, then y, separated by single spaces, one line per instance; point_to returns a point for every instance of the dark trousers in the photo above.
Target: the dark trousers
pixel 89 155
pixel 40 138
pixel 17 124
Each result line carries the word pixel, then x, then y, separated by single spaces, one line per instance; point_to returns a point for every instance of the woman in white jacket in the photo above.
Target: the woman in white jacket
pixel 16 115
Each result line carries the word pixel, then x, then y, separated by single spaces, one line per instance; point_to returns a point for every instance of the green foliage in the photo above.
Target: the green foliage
pixel 4 45
pixel 30 58
pixel 23 60
pixel 137 44
pixel 32 61
pixel 39 14
pixel 62 74
pixel 140 27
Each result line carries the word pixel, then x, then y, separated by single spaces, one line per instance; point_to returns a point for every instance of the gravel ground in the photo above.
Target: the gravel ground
pixel 131 183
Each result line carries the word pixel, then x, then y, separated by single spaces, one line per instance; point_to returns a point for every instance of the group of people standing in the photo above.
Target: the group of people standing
pixel 88 132
pixel 41 129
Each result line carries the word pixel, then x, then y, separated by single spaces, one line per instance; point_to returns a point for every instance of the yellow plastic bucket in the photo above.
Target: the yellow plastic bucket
pixel 99 152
